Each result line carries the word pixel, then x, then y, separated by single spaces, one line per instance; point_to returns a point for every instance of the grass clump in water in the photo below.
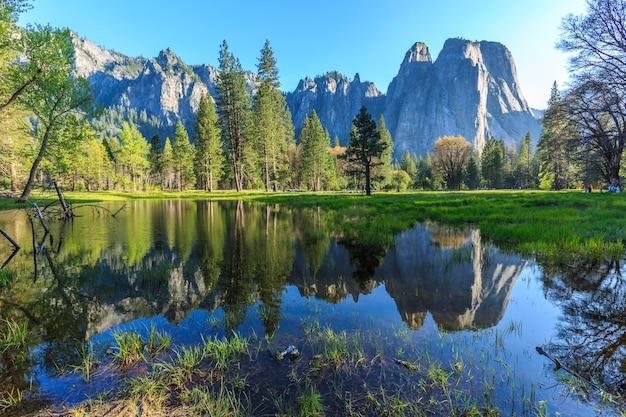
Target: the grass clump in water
pixel 129 348
pixel 15 335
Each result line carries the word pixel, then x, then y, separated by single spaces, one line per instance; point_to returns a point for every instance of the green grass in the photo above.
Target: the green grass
pixel 14 335
pixel 541 223
pixel 222 351
pixel 157 342
pixel 129 348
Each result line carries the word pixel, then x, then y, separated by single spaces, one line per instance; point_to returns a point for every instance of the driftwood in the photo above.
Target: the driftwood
pixel 41 219
pixel 6 235
pixel 67 209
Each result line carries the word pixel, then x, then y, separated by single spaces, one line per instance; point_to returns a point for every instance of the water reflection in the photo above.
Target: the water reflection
pixel 171 258
pixel 592 338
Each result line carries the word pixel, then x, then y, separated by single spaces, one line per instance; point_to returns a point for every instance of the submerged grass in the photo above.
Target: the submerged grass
pixel 129 348
pixel 14 335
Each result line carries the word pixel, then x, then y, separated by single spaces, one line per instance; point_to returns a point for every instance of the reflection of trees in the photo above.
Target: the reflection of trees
pixel 274 263
pixel 366 257
pixel 592 335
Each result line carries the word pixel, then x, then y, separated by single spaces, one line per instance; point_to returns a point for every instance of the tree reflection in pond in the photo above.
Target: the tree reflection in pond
pixel 258 268
pixel 592 334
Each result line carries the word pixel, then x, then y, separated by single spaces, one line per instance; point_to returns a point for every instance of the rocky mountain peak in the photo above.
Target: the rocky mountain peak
pixel 168 59
pixel 470 90
pixel 417 53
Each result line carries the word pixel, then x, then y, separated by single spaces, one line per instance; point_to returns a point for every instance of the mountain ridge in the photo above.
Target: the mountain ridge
pixel 471 89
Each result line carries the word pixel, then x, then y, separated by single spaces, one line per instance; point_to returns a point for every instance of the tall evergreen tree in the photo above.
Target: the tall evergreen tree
pixel 155 158
pixel 553 149
pixel 233 107
pixel 492 163
pixel 472 172
pixel 408 165
pixel 182 158
pixel 525 169
pixel 133 153
pixel 383 172
pixel 272 129
pixel 168 165
pixel 209 158
pixel 316 162
pixel 365 147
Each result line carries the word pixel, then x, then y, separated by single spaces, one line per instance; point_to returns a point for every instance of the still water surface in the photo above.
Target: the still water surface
pixel 441 298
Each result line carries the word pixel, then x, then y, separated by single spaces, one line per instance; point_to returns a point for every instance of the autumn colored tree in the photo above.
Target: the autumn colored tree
pixel 451 155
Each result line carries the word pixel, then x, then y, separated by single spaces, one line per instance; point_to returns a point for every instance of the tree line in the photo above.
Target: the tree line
pixel 243 139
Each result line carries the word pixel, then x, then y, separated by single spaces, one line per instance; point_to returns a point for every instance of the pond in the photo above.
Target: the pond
pixel 270 310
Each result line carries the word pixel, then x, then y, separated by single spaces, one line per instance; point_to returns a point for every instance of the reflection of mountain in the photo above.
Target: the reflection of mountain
pixel 168 258
pixel 462 288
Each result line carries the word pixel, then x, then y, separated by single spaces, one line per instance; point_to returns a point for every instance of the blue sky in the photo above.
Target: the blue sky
pixel 310 38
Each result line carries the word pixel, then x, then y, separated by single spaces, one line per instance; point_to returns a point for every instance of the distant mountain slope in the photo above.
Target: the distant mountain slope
pixel 471 90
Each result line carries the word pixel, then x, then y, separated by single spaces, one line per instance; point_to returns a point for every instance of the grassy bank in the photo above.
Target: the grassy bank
pixel 557 225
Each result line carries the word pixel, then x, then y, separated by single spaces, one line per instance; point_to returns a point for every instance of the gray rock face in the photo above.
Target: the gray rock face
pixel 163 86
pixel 470 90
pixel 336 100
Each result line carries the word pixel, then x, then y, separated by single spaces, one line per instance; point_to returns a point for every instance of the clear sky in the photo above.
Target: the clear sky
pixel 310 38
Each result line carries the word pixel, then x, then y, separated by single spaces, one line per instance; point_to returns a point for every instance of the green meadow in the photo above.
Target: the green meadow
pixel 556 226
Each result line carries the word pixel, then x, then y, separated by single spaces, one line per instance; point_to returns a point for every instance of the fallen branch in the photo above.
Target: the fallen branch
pixel 5 234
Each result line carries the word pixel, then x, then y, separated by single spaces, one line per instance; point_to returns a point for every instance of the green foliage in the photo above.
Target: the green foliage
pixel 209 156
pixel 554 152
pixel 382 173
pixel 365 147
pixel 132 157
pixel 233 108
pixel 272 129
pixel 400 180
pixel 52 94
pixel 317 169
pixel 492 163
pixel 182 158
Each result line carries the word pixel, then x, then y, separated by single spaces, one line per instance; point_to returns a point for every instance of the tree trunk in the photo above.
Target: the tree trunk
pixel 33 170
pixel 368 185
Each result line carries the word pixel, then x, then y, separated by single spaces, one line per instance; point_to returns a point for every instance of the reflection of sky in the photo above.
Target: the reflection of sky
pixel 533 317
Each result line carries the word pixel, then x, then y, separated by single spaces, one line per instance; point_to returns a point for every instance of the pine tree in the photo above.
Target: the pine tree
pixel 317 167
pixel 472 173
pixel 155 158
pixel 209 158
pixel 182 158
pixel 382 173
pixel 233 107
pixel 492 163
pixel 168 165
pixel 365 147
pixel 553 153
pixel 272 128
pixel 525 169
pixel 133 153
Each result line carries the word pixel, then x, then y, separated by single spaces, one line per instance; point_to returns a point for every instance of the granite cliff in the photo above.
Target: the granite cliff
pixel 471 89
